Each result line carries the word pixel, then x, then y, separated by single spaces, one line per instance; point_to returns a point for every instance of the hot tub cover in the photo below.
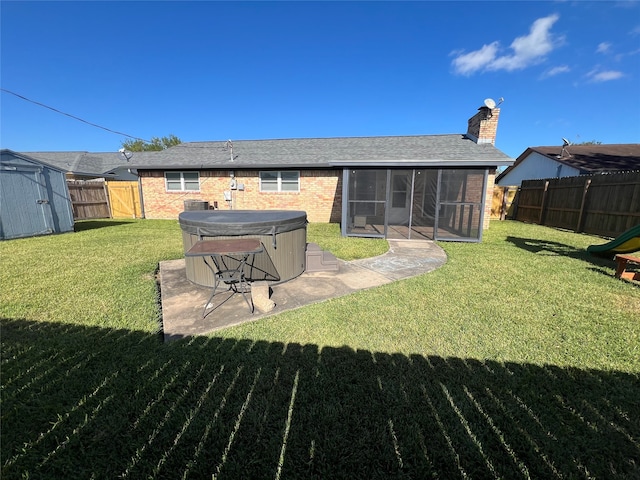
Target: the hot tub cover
pixel 241 222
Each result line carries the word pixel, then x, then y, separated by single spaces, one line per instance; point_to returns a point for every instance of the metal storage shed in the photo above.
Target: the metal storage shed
pixel 34 198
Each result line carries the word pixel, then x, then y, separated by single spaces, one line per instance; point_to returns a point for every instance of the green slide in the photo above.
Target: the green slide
pixel 628 242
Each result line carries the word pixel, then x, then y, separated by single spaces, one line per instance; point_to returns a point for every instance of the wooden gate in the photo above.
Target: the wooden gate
pixel 124 198
pixel 502 202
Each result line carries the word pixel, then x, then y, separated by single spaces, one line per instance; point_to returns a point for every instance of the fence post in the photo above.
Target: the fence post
pixel 140 196
pixel 516 201
pixel 132 199
pixel 503 207
pixel 107 197
pixel 544 201
pixel 587 183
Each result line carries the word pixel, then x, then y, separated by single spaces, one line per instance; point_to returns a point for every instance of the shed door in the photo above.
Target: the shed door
pixel 24 205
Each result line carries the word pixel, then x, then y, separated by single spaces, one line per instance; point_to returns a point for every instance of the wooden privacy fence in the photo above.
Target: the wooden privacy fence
pixel 100 199
pixel 88 199
pixel 124 198
pixel 605 205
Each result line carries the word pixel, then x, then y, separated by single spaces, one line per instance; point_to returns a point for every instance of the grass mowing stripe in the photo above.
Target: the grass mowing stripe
pixel 396 445
pixel 211 423
pixel 76 431
pixel 268 401
pixel 53 379
pixel 287 427
pixel 48 360
pixel 165 388
pixel 536 418
pixel 155 374
pixel 564 404
pixel 536 448
pixel 236 426
pixel 60 421
pixel 392 433
pixel 12 354
pixel 609 423
pixel 498 433
pixel 615 408
pixel 465 424
pixel 190 417
pixel 445 434
pixel 140 450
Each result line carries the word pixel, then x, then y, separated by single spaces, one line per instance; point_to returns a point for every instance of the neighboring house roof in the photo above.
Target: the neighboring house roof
pixel 422 150
pixel 596 158
pixel 105 164
pixel 586 158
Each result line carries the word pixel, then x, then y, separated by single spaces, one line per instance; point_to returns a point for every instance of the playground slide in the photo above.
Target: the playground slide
pixel 628 242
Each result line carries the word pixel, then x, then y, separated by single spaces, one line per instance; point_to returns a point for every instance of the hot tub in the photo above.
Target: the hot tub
pixel 283 234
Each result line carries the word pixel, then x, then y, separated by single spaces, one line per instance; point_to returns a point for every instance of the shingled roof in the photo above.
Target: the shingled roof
pixel 588 159
pixel 421 150
pixel 81 163
pixel 596 158
pixel 88 164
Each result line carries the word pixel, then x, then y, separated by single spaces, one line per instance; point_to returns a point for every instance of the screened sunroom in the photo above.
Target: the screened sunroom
pixel 419 203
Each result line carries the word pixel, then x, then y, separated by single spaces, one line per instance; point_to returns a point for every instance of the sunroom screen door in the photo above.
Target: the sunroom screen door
pixel 460 204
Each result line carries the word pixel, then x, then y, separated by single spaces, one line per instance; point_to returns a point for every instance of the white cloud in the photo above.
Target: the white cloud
pixel 471 62
pixel 556 71
pixel 603 47
pixel 604 75
pixel 527 50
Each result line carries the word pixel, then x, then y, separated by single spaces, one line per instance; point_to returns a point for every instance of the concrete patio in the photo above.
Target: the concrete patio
pixel 183 301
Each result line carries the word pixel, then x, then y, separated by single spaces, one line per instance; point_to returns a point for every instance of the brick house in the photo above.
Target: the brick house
pixel 415 187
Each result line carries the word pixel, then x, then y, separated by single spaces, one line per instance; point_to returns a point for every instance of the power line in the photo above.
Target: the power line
pixel 74 117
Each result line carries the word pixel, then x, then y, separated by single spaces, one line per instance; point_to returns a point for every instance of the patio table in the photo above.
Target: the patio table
pixel 227 258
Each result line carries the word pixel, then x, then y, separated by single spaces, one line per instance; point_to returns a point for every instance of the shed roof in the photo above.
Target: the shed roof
pixel 28 158
pixel 421 150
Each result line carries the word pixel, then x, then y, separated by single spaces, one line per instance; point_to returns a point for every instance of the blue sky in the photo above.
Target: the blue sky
pixel 257 70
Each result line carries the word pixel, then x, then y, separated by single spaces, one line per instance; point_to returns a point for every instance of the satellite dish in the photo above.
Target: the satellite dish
pixel 490 103
pixel 125 154
pixel 565 142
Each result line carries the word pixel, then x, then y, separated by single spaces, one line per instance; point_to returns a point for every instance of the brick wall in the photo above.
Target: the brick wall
pixel 320 194
pixel 489 198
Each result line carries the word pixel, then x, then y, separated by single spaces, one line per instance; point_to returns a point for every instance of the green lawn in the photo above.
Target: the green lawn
pixel 519 358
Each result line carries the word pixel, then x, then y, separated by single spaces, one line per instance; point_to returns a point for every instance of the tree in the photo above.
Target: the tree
pixel 156 144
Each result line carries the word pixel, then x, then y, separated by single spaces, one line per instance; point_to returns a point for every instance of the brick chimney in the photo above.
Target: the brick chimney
pixel 483 126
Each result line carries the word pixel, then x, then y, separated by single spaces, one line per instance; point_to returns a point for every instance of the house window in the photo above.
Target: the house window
pixel 182 181
pixel 284 181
